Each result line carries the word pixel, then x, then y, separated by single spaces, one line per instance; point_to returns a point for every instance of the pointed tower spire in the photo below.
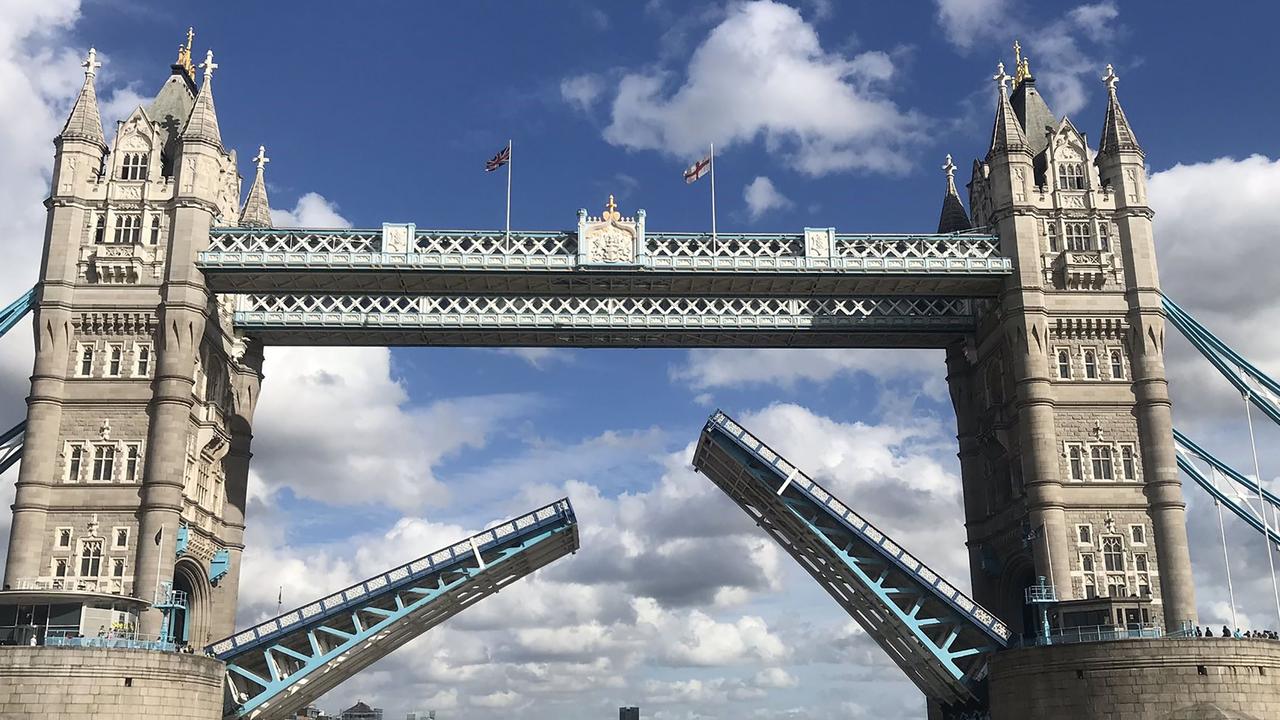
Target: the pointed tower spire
pixel 203 124
pixel 1117 136
pixel 1007 132
pixel 85 122
pixel 953 218
pixel 257 211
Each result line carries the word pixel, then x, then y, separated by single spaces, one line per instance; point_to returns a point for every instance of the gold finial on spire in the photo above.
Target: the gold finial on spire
pixel 1021 65
pixel 184 55
pixel 611 211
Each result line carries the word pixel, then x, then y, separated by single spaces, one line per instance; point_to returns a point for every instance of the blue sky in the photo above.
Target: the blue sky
pixel 386 112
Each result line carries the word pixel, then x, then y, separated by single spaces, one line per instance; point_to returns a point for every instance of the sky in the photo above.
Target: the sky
pixel 823 114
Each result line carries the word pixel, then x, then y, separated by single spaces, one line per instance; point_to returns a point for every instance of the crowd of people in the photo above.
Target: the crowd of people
pixel 1251 634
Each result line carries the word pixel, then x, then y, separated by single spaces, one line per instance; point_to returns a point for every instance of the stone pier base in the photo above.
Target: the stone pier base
pixel 1158 679
pixel 60 683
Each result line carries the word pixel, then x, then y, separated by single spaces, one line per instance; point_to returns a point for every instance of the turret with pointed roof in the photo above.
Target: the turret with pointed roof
pixel 202 125
pixel 1006 133
pixel 257 211
pixel 1117 136
pixel 953 217
pixel 85 122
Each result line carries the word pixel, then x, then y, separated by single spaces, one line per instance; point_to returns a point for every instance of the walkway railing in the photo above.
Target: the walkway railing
pixel 112 640
pixel 1094 633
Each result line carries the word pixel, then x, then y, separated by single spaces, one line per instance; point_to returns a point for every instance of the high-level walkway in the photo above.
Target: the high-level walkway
pixel 608 284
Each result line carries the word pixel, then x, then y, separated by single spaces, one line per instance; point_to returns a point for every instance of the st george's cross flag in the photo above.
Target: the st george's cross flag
pixel 502 158
pixel 698 169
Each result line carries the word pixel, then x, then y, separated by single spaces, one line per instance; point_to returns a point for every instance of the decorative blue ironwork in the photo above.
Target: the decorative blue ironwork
pixel 14 311
pixel 281 665
pixel 1189 452
pixel 219 566
pixel 936 634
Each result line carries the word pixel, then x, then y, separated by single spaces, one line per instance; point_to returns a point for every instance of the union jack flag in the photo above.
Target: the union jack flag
pixel 697 170
pixel 502 158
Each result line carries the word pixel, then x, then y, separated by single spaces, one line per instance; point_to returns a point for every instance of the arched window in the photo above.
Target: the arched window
pixel 134 166
pixel 1127 464
pixel 1102 466
pixel 1104 238
pixel 1075 463
pixel 1091 364
pixel 155 229
pixel 73 469
pixel 100 232
pixel 1064 365
pixel 131 464
pixel 86 360
pixel 1051 231
pixel 1117 365
pixel 91 558
pixel 1070 176
pixel 1078 236
pixel 1113 553
pixel 143 358
pixel 128 229
pixel 114 359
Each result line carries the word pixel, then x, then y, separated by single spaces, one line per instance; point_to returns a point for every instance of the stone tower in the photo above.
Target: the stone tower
pixel 137 444
pixel 1061 400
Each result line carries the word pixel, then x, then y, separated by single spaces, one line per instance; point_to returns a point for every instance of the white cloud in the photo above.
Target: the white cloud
pixel 538 357
pixel 1069 71
pixel 582 91
pixel 762 197
pixel 733 367
pixel 762 74
pixel 966 21
pixel 312 210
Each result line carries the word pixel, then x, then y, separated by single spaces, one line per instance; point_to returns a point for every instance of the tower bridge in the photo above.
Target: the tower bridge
pixel 159 288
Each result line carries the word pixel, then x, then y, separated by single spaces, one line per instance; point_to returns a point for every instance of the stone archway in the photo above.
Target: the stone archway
pixel 191 625
pixel 1018 575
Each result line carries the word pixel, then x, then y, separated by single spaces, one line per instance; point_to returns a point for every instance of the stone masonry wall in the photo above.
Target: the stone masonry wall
pixel 82 684
pixel 1137 680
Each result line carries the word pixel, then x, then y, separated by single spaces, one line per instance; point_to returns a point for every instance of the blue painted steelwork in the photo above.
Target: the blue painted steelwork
pixel 220 565
pixel 14 311
pixel 281 665
pixel 937 635
pixel 180 543
pixel 1189 452
pixel 1262 391
pixel 11 445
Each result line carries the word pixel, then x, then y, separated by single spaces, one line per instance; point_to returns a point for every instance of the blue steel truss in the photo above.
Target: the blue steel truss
pixel 15 310
pixel 279 666
pixel 1189 452
pixel 937 635
pixel 11 445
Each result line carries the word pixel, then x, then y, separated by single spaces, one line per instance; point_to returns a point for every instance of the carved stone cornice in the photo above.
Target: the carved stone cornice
pixel 116 323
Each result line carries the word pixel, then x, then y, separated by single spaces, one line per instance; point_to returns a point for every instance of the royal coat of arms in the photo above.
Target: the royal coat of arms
pixel 610 239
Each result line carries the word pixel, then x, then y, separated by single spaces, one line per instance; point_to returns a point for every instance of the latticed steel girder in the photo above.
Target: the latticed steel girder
pixel 279 666
pixel 936 634
pixel 474 262
pixel 11 445
pixel 594 321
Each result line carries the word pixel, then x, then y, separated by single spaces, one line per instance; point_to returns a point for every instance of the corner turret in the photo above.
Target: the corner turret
pixel 953 217
pixel 257 211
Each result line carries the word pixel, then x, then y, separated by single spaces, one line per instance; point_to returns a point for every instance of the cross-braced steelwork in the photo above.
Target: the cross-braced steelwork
pixel 938 636
pixel 622 320
pixel 401 258
pixel 16 310
pixel 11 445
pixel 1240 500
pixel 279 666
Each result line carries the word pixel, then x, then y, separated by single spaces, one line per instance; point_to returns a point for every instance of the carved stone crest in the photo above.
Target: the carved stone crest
pixel 610 239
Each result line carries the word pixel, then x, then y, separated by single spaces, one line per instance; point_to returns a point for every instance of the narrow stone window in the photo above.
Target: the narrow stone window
pixel 100 232
pixel 1138 534
pixel 1084 533
pixel 1117 365
pixel 1090 365
pixel 104 460
pixel 86 360
pixel 117 567
pixel 131 464
pixel 1051 231
pixel 1064 365
pixel 1113 553
pixel 60 567
pixel 122 537
pixel 1143 573
pixel 1104 239
pixel 142 361
pixel 74 463
pixel 1075 462
pixel 1127 464
pixel 115 355
pixel 1101 457
pixel 64 537
pixel 1090 587
pixel 155 229
pixel 91 558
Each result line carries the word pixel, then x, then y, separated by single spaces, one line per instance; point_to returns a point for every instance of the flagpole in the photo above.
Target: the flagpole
pixel 509 190
pixel 713 193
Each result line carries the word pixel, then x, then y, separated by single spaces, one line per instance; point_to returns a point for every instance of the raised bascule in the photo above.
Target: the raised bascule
pixel 159 288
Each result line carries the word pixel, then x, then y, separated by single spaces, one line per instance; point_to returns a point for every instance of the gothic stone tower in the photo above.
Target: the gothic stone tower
pixel 138 427
pixel 1061 400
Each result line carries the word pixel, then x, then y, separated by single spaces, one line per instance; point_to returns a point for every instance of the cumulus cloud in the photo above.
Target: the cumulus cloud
pixel 582 91
pixel 762 197
pixel 788 368
pixel 312 210
pixel 965 21
pixel 762 74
